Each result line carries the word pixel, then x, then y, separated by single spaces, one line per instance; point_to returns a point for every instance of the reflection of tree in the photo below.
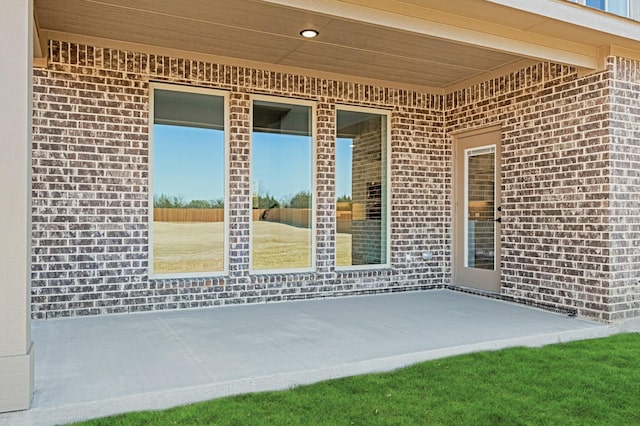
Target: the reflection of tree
pixel 205 204
pixel 301 200
pixel 176 202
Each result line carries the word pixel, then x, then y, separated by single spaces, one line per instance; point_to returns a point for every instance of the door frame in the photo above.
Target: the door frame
pixel 488 280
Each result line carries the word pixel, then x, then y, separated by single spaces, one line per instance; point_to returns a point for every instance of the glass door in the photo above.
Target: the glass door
pixel 477 211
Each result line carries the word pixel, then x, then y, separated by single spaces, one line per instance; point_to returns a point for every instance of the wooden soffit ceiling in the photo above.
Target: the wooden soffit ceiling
pixel 433 44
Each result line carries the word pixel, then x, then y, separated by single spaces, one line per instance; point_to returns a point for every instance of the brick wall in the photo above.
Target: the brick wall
pixel 624 291
pixel 570 161
pixel 421 194
pixel 557 242
pixel 91 187
pixel 89 191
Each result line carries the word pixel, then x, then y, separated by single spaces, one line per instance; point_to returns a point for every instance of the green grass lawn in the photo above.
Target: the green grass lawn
pixel 591 382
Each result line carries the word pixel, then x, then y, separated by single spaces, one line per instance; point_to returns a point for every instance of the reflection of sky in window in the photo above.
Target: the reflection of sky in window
pixel 281 164
pixel 189 163
pixel 344 154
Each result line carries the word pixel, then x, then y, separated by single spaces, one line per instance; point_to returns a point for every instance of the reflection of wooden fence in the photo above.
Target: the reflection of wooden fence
pixel 257 213
pixel 295 217
pixel 188 215
pixel 343 222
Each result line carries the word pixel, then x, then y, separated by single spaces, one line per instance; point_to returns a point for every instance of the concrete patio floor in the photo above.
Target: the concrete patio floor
pixel 97 366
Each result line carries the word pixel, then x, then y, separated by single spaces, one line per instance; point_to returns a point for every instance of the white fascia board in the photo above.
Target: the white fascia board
pixel 516 42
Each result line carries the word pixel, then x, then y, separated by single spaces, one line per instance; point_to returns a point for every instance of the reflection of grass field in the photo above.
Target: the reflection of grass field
pixel 198 247
pixel 187 247
pixel 277 246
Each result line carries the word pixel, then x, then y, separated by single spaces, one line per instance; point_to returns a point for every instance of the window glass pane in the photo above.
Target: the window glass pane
pixel 598 4
pixel 188 183
pixel 361 189
pixel 634 10
pixel 281 172
pixel 619 7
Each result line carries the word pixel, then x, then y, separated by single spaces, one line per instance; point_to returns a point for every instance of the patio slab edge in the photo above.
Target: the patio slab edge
pixel 175 397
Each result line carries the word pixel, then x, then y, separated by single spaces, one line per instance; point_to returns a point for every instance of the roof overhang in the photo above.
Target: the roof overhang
pixel 432 44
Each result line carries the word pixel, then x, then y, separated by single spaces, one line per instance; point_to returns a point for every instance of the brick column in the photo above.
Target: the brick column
pixel 325 192
pixel 240 186
pixel 16 361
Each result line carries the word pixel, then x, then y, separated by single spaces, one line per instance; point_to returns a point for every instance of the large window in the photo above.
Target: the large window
pixel 188 181
pixel 282 184
pixel 626 8
pixel 361 188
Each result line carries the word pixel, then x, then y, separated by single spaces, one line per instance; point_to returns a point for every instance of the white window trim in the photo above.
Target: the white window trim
pixel 386 153
pixel 189 89
pixel 314 201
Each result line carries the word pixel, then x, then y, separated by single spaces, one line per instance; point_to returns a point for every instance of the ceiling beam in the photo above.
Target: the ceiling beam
pixel 465 30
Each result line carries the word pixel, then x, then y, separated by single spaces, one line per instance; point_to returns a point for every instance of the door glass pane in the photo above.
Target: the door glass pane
pixel 480 208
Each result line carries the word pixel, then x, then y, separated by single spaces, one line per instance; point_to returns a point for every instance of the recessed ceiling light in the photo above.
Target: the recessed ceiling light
pixel 309 33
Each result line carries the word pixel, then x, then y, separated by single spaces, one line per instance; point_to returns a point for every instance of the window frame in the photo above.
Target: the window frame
pixel 226 120
pixel 387 190
pixel 314 184
pixel 607 9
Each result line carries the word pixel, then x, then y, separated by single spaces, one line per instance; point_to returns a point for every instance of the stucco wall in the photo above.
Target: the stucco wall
pixel 90 186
